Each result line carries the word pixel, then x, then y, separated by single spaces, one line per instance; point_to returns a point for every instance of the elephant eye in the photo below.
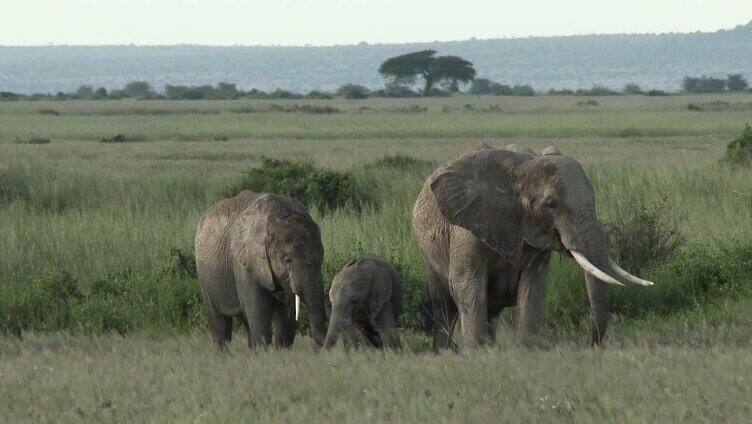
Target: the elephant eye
pixel 288 260
pixel 550 203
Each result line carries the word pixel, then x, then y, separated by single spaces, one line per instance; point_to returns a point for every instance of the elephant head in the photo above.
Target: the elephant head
pixel 290 255
pixel 511 196
pixel 358 293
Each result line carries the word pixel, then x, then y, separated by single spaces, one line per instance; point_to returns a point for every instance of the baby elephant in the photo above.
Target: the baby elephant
pixel 367 292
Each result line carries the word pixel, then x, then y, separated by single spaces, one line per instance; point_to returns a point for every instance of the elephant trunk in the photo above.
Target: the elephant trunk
pixel 587 242
pixel 313 296
pixel 336 325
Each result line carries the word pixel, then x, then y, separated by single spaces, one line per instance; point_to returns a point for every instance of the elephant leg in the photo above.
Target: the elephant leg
pixel 284 327
pixel 372 334
pixel 259 319
pixel 387 327
pixel 531 296
pixel 247 331
pixel 441 311
pixel 221 327
pixel 469 282
pixel 500 285
pixel 445 316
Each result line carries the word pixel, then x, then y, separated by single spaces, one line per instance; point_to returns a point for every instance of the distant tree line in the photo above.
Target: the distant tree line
pixel 705 84
pixel 415 74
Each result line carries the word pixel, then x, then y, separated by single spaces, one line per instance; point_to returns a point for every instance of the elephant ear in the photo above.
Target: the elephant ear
pixel 251 247
pixel 476 192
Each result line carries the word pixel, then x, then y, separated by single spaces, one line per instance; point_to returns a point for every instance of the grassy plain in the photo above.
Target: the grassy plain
pixel 678 353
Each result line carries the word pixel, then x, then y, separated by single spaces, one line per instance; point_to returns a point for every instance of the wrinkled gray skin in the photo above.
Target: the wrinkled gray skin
pixel 486 225
pixel 253 253
pixel 367 293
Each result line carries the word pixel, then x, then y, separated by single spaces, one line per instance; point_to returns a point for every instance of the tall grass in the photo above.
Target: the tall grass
pixel 94 210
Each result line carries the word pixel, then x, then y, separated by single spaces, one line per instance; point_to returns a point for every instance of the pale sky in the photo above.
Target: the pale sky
pixel 328 22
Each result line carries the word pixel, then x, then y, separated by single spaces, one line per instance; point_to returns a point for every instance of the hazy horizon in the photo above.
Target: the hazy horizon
pixel 339 22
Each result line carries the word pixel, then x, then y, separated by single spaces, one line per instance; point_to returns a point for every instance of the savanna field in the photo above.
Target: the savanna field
pixel 100 312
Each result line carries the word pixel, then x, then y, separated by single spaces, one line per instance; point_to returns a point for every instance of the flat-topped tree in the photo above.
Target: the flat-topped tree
pixel 447 70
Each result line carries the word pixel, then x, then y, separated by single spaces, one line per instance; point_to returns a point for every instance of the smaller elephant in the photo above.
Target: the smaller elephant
pixel 367 293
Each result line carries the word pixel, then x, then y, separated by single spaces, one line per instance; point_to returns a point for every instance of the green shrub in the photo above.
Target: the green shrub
pixel 12 186
pixel 51 112
pixel 353 91
pixel 325 189
pixel 739 151
pixel 697 275
pixel 118 302
pixel 178 263
pixel 644 236
pixel 33 140
pixel 42 305
pixel 316 109
pixel 400 162
pixel 596 90
pixel 315 94
pixel 523 90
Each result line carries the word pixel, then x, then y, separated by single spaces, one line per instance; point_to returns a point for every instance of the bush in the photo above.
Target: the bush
pixel 596 90
pixel 587 103
pixel 739 151
pixel 42 305
pixel 395 91
pixel 120 138
pixel 485 86
pixel 736 82
pixel 657 93
pixel 315 94
pixel 400 162
pixel 632 88
pixel 644 236
pixel 305 109
pixel 117 302
pixel 7 96
pixel 704 84
pixel 522 90
pixel 410 109
pixel 325 189
pixel 12 186
pixel 352 91
pixel 136 89
pixel 52 112
pixel 563 92
pixel 282 94
pixel 33 140
pixel 178 263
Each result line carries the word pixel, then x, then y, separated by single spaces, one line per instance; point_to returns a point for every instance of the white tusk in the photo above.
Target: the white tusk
pixel 593 270
pixel 297 307
pixel 627 276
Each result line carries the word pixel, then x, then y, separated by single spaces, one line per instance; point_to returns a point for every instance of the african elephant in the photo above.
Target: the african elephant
pixel 255 252
pixel 368 293
pixel 486 225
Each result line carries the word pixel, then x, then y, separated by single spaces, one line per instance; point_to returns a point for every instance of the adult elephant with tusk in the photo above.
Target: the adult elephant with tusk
pixel 487 224
pixel 257 255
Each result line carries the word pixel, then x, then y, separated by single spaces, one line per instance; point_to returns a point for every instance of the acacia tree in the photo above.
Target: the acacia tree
pixel 736 82
pixel 446 70
pixel 451 70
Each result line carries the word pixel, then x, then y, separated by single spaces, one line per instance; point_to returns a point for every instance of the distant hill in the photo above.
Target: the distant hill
pixel 652 60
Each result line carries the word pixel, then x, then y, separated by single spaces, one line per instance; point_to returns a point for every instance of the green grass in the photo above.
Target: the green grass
pixel 640 377
pixel 108 214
